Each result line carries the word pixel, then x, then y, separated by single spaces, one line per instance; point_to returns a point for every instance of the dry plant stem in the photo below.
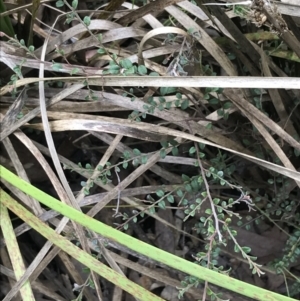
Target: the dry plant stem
pixel 121 147
pixel 33 265
pixel 61 95
pixel 14 110
pixel 14 253
pixel 133 176
pixel 109 187
pixel 270 140
pixel 88 124
pixel 237 97
pixel 60 191
pixel 167 81
pixel 277 101
pixel 41 261
pixel 150 8
pixel 212 206
pixel 7 266
pixel 70 199
pixel 80 196
pixel 243 42
pixel 36 285
pixel 111 5
pixel 271 64
pixel 204 39
pixel 292 25
pixel 38 264
pixel 235 3
pixel 211 239
pixel 165 115
pixel 30 202
pixel 280 25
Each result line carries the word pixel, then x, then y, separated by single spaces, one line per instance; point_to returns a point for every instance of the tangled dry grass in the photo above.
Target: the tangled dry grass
pixel 174 121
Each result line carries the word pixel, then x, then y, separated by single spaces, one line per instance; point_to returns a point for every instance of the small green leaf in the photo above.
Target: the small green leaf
pixel 220 112
pixel 74 71
pixel 208 211
pixel 74 4
pixel 136 152
pixel 185 178
pixel 216 201
pixel 126 155
pixel 175 151
pixel 209 126
pixel 168 105
pixel 126 63
pixel 160 193
pixel 188 187
pixel 56 66
pixel 162 204
pixel 220 173
pixel 101 51
pixel 227 105
pixel 201 145
pixel 163 153
pixel 144 159
pixel 152 210
pixel 167 90
pixel 31 49
pixel 179 193
pixel 201 155
pixel 142 70
pixel 164 143
pixel 170 198
pixel 231 56
pixel 185 104
pixel 213 101
pixel 59 3
pixel 87 20
pixel 247 250
pixel 129 71
pixel 179 95
pixel 192 150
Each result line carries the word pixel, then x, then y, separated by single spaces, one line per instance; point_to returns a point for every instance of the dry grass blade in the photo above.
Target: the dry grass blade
pixel 176 122
pixel 14 253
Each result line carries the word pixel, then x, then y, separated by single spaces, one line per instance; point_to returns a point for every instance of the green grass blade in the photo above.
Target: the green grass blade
pixel 141 247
